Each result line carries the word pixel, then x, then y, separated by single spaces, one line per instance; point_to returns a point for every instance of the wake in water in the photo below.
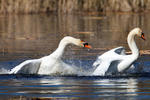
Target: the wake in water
pixel 4 71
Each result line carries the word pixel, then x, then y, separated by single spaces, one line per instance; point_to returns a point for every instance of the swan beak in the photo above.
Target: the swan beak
pixel 142 36
pixel 85 44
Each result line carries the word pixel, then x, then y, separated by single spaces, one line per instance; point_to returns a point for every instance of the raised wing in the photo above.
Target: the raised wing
pixel 113 67
pixel 102 68
pixel 27 67
pixel 108 59
pixel 120 50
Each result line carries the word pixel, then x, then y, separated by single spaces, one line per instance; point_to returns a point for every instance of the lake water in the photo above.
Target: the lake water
pixel 25 37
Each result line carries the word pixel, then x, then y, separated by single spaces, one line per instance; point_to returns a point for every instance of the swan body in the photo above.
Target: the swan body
pixel 116 60
pixel 52 63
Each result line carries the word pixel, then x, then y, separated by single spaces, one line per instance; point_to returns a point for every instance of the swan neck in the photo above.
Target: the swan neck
pixel 132 44
pixel 60 50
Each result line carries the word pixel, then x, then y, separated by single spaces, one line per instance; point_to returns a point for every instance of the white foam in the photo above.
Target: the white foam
pixel 4 71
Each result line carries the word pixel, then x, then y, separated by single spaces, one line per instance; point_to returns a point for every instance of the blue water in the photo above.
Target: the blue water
pixel 32 36
pixel 74 87
pixel 129 85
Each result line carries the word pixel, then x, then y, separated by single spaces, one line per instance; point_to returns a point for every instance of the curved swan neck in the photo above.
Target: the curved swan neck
pixel 63 43
pixel 60 50
pixel 132 44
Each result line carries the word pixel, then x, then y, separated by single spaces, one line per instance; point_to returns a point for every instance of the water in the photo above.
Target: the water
pixel 25 37
pixel 74 87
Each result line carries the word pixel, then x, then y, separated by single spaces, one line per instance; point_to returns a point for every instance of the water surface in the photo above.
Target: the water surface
pixel 25 37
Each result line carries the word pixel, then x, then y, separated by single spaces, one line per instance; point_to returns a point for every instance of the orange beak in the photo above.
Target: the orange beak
pixel 142 36
pixel 86 45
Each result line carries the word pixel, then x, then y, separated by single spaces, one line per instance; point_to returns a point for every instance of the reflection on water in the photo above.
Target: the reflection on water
pixel 34 36
pixel 37 35
pixel 75 88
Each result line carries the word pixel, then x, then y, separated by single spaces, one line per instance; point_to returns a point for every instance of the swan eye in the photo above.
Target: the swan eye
pixel 142 36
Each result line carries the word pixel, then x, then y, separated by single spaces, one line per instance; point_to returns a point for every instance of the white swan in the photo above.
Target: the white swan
pixel 52 63
pixel 116 60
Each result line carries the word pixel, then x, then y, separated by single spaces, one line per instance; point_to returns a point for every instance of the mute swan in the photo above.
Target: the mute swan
pixel 52 63
pixel 116 60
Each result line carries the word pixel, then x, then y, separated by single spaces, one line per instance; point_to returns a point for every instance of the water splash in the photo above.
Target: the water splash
pixel 4 71
pixel 76 67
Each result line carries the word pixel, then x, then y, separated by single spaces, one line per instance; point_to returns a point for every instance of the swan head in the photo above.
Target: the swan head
pixel 75 41
pixel 138 32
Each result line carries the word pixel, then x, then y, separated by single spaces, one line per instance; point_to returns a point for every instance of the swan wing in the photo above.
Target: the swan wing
pixel 113 67
pixel 27 67
pixel 97 62
pixel 108 59
pixel 119 50
pixel 126 63
pixel 132 67
pixel 102 68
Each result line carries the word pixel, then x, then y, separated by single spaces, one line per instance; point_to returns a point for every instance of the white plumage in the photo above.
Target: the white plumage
pixel 51 64
pixel 116 60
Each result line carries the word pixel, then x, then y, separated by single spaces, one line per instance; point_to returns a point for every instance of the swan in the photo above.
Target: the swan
pixel 52 63
pixel 115 60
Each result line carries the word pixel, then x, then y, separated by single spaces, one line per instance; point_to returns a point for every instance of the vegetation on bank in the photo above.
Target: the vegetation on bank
pixel 69 6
